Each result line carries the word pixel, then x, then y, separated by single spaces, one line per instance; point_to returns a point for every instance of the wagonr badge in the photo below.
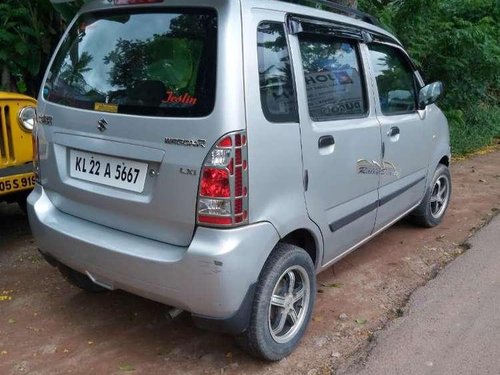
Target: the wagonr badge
pixel 186 142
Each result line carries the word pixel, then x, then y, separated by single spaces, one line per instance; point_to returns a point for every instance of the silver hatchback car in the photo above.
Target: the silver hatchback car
pixel 216 155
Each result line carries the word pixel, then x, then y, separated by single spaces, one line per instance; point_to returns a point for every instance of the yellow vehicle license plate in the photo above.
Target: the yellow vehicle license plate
pixel 17 182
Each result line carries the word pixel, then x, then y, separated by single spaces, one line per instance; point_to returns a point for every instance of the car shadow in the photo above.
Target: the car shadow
pixel 117 319
pixel 13 222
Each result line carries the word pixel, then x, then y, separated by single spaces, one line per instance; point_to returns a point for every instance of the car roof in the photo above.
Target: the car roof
pixel 287 6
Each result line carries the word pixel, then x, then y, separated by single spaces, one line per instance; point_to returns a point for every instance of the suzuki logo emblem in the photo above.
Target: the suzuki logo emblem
pixel 102 125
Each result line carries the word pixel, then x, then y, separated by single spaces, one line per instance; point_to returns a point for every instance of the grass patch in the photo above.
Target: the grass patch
pixel 474 129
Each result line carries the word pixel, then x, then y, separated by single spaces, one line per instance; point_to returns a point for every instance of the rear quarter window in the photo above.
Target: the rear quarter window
pixel 277 91
pixel 148 62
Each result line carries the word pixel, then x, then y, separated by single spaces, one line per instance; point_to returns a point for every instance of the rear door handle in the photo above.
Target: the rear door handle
pixel 326 141
pixel 394 131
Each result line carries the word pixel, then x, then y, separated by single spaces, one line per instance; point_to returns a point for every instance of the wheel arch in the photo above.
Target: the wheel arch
pixel 305 239
pixel 445 160
pixel 440 156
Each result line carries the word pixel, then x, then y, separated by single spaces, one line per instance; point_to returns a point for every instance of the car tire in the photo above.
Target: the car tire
pixel 431 210
pixel 287 282
pixel 80 280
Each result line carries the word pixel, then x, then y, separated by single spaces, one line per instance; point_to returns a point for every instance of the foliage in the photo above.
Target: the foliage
pixel 28 33
pixel 454 41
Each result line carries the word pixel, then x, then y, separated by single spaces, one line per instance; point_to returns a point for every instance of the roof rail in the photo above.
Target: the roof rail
pixel 331 6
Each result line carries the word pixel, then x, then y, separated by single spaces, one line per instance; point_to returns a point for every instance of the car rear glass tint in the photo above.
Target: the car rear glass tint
pixel 333 77
pixel 155 62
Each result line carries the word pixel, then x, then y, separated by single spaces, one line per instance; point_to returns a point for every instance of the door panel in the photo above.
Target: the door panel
pixel 339 130
pixel 403 182
pixel 405 136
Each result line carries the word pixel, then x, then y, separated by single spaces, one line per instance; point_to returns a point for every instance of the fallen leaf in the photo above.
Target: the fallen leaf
pixel 126 368
pixel 360 321
pixel 332 285
pixel 318 319
pixel 11 321
pixel 90 342
pixel 229 355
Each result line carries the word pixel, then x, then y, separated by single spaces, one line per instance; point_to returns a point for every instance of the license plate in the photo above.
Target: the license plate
pixel 11 184
pixel 110 171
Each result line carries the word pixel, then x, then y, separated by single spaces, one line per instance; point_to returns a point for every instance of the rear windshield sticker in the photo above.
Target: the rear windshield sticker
pixel 103 107
pixel 185 98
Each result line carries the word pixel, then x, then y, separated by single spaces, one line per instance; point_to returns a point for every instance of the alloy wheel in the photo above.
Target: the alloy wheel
pixel 440 196
pixel 289 304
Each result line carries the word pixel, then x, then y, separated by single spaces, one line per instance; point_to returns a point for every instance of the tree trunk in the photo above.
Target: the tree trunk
pixel 6 81
pixel 348 3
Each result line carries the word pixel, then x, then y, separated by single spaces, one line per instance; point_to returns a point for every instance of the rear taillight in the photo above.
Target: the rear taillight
pixel 223 191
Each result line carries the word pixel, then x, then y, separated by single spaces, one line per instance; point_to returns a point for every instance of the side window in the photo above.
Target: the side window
pixel 334 81
pixel 395 79
pixel 277 93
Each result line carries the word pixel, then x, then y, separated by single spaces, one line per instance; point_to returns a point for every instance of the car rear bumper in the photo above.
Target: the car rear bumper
pixel 210 278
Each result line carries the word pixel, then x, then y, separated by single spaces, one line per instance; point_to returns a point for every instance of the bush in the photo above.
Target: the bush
pixel 29 30
pixel 473 129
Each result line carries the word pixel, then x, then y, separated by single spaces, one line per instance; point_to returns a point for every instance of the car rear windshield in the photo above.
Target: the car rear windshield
pixel 154 63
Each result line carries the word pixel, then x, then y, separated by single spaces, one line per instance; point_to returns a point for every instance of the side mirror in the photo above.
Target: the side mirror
pixel 429 94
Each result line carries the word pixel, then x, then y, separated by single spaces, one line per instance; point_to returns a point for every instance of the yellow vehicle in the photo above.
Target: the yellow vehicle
pixel 17 119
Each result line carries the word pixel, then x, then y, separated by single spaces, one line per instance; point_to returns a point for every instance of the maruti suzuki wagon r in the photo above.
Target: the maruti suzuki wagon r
pixel 215 155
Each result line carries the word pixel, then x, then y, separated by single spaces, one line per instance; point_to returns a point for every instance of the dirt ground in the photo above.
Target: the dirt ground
pixel 50 327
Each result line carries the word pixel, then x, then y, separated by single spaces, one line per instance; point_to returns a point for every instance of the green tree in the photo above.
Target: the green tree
pixel 29 31
pixel 457 42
